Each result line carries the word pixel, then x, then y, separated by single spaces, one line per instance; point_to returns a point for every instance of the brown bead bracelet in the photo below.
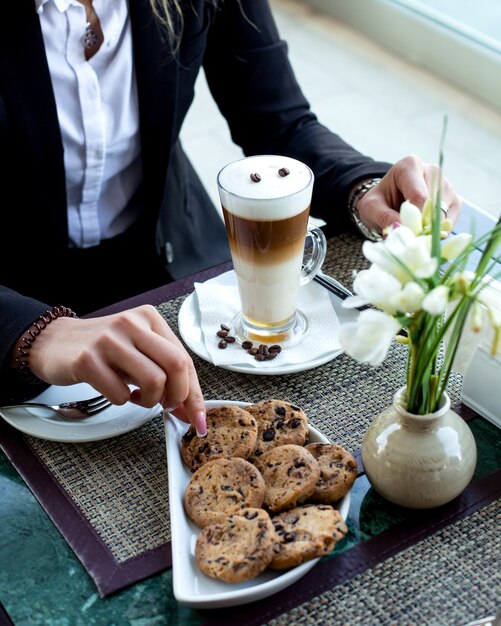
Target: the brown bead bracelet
pixel 22 359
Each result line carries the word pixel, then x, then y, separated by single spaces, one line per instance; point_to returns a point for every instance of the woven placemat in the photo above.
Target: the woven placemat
pixel 118 486
pixel 448 579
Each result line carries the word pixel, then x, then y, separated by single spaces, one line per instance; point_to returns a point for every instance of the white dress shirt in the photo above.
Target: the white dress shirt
pixel 98 115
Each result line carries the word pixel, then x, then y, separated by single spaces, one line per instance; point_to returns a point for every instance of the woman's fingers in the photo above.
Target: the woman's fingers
pixel 193 409
pixel 450 199
pixel 133 347
pixel 409 179
pixel 160 367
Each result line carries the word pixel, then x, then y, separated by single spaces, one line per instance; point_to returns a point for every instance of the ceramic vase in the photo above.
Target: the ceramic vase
pixel 419 461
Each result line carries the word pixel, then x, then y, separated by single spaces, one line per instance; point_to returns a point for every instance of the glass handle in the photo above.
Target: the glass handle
pixel 314 254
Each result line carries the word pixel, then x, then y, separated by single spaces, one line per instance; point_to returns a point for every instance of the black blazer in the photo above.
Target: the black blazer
pixel 250 77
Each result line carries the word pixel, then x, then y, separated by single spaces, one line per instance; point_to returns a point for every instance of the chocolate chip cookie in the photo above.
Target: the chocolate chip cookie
pixel 220 487
pixel 306 532
pixel 279 423
pixel 231 432
pixel 237 549
pixel 290 473
pixel 338 471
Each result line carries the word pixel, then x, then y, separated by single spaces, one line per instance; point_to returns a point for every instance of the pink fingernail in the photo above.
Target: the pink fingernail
pixel 200 424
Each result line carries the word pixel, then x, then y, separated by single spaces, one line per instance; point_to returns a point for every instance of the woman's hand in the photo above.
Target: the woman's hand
pixel 132 347
pixel 409 179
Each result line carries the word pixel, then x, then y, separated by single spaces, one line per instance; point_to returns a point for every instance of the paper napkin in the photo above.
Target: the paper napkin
pixel 218 303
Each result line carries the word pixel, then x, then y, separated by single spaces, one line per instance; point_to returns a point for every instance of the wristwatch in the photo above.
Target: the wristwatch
pixel 357 194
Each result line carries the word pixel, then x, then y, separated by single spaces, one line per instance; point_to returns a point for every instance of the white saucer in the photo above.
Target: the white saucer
pixel 111 422
pixel 191 333
pixel 190 586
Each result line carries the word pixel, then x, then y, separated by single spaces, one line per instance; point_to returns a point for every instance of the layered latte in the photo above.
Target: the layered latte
pixel 266 201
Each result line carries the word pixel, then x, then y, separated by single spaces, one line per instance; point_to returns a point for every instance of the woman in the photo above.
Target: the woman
pixel 92 98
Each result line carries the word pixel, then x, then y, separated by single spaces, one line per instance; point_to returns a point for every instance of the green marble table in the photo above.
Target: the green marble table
pixel 43 583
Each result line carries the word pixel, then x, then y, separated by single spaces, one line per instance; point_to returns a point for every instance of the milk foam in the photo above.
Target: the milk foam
pixel 274 197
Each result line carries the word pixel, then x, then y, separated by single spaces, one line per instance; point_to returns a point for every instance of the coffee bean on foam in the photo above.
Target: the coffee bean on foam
pixel 273 191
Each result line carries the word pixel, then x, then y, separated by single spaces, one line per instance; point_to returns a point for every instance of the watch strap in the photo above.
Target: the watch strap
pixel 358 193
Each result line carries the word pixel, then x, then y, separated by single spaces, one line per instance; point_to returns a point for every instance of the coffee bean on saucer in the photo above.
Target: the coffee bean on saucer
pixel 224 327
pixel 263 349
pixel 275 348
pixel 271 355
pixel 222 344
pixel 230 339
pixel 222 333
pixel 253 351
pixel 247 345
pixel 260 357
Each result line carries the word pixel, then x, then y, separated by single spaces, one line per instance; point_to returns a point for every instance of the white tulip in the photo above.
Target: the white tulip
pixel 476 317
pixel 368 339
pixel 377 287
pixel 461 282
pixel 411 217
pixel 446 227
pixel 494 317
pixel 402 254
pixel 428 210
pixel 455 245
pixel 495 322
pixel 435 302
pixel 353 302
pixel 409 299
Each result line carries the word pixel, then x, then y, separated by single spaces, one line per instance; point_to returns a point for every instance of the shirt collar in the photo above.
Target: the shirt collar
pixel 61 5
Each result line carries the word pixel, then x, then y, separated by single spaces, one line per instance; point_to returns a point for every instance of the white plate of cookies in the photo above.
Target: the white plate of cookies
pixel 253 505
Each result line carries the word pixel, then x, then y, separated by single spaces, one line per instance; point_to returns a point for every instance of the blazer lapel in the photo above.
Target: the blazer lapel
pixel 157 76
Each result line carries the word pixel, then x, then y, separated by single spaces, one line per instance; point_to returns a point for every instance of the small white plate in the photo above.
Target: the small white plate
pixel 191 333
pixel 111 422
pixel 191 587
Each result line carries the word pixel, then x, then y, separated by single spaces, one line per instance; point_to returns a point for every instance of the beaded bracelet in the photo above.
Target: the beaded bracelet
pixel 22 359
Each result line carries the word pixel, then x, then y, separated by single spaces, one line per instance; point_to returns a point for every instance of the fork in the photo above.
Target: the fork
pixel 70 411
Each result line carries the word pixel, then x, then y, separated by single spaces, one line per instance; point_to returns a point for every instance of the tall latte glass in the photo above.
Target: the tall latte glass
pixel 266 204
